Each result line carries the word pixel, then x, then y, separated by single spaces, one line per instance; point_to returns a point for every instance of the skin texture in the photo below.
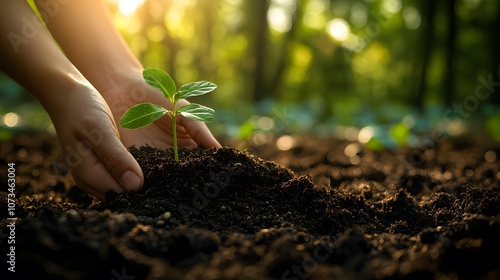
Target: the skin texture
pixel 85 85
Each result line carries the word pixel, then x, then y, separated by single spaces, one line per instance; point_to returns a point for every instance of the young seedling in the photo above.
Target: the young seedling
pixel 144 114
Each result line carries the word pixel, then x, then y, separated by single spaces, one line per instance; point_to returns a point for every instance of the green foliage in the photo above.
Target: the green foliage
pixel 5 134
pixel 245 130
pixel 492 126
pixel 399 133
pixel 370 77
pixel 194 89
pixel 144 114
pixel 162 81
pixel 197 112
pixel 375 145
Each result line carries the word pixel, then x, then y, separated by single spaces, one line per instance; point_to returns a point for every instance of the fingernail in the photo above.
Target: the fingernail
pixel 130 181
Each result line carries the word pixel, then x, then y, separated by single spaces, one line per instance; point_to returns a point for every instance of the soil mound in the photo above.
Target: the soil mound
pixel 228 214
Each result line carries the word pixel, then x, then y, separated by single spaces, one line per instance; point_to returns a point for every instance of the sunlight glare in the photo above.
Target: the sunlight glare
pixel 338 29
pixel 279 19
pixel 284 2
pixel 128 7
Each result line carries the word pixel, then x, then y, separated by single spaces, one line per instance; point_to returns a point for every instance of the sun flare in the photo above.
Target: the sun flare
pixel 128 7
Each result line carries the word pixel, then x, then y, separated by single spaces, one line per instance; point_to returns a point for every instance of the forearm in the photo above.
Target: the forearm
pixel 30 56
pixel 84 30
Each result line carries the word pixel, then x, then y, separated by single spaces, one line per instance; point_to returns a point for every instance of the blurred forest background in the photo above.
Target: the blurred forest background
pixel 381 72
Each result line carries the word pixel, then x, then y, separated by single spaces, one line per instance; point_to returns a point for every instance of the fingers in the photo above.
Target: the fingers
pixel 89 172
pixel 116 160
pixel 200 133
pixel 93 177
pixel 99 160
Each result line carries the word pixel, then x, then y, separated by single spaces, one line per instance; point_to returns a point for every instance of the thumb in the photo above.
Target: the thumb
pixel 200 133
pixel 115 157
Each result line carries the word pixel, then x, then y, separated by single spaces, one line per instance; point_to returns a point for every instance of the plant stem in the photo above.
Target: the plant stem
pixel 174 130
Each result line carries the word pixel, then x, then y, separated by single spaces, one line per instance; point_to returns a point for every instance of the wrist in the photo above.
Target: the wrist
pixel 117 77
pixel 62 94
pixel 57 87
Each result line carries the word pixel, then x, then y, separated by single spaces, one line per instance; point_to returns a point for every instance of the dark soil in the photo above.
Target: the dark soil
pixel 229 214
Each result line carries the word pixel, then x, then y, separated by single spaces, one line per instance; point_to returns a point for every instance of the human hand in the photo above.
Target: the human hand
pixel 127 91
pixel 90 140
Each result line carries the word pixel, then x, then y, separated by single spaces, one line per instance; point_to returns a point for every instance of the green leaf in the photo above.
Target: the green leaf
pixel 197 112
pixel 194 89
pixel 160 80
pixel 246 130
pixel 141 115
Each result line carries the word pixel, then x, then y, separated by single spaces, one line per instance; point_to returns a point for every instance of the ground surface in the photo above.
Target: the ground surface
pixel 339 212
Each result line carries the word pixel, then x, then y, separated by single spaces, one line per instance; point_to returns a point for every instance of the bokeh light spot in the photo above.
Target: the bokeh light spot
pixel 469 172
pixel 156 33
pixel 359 16
pixel 10 119
pixel 355 160
pixel 351 133
pixel 392 6
pixel 285 142
pixel 265 123
pixel 338 29
pixel 412 18
pixel 365 134
pixel 409 121
pixel 490 156
pixel 279 19
pixel 352 149
pixel 128 7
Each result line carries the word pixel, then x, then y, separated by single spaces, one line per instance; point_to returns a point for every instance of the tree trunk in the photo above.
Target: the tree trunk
pixel 496 58
pixel 204 49
pixel 449 80
pixel 285 53
pixel 260 89
pixel 429 9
